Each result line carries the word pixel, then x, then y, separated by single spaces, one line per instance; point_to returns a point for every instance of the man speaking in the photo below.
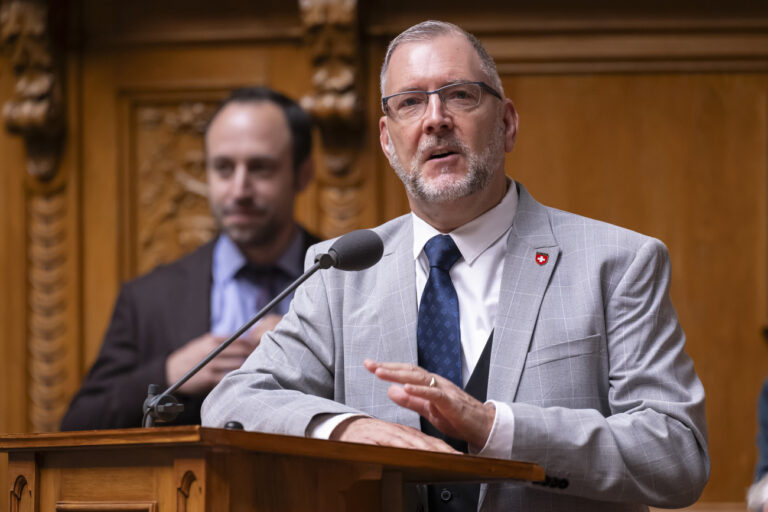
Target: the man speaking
pixel 493 324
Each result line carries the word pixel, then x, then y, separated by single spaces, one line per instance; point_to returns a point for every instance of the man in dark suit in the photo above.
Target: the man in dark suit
pixel 257 159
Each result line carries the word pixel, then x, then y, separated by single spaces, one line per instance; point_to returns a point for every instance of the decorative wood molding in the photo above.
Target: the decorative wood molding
pixel 17 493
pixel 48 309
pixel 106 506
pixel 525 43
pixel 711 507
pixel 183 490
pixel 336 104
pixel 36 110
pixel 168 208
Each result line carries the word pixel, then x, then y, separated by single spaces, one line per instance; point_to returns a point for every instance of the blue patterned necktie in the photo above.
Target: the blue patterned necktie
pixel 438 335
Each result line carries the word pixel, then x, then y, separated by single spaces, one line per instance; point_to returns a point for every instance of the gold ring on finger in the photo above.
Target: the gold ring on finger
pixel 432 382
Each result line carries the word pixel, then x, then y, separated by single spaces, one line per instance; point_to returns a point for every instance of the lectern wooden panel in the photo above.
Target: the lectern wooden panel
pixel 201 469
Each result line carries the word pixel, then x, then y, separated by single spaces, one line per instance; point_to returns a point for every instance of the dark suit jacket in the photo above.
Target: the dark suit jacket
pixel 154 315
pixel 762 434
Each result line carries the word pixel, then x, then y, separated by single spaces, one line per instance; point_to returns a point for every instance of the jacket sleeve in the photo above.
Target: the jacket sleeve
pixel 116 385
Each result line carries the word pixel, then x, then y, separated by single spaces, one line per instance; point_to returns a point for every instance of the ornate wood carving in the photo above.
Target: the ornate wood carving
pixel 171 214
pixel 36 110
pixel 17 493
pixel 48 308
pixel 332 35
pixel 183 490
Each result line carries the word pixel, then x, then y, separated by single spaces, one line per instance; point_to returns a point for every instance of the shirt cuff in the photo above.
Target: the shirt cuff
pixel 499 442
pixel 322 425
pixel 757 496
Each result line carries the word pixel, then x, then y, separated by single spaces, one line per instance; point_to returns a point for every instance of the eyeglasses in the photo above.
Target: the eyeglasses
pixel 458 97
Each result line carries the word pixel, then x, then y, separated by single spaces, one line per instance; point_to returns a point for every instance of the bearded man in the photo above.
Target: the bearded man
pixel 492 324
pixel 257 147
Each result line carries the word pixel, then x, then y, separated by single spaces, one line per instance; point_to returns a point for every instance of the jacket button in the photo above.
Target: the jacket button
pixel 446 495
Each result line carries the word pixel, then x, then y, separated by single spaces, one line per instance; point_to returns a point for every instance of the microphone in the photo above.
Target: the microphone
pixel 357 250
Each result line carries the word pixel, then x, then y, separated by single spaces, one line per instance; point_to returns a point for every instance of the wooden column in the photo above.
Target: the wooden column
pixel 36 114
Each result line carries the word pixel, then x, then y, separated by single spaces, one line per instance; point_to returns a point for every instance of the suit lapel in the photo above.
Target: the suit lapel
pixel 523 285
pixel 399 312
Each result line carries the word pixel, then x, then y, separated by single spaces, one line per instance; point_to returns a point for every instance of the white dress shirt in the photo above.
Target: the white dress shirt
pixel 477 279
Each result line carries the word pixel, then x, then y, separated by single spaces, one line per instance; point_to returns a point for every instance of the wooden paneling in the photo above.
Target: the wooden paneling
pixel 13 400
pixel 653 117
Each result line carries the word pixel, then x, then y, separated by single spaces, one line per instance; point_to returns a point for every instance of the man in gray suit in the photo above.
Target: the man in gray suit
pixel 492 324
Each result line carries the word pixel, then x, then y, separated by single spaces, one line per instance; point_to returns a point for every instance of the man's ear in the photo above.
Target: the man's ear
pixel 510 125
pixel 384 136
pixel 304 174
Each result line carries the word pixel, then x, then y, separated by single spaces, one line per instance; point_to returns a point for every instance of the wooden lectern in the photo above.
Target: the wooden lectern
pixel 203 469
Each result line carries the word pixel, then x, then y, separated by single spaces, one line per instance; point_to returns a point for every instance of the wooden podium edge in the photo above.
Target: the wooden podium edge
pixel 406 460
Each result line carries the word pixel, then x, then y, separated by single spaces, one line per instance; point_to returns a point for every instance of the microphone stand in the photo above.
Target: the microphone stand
pixel 166 407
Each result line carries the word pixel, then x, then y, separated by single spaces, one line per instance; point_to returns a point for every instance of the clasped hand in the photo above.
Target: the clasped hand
pixel 187 356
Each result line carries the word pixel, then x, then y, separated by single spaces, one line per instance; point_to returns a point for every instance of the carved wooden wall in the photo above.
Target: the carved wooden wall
pixel 165 178
pixel 652 117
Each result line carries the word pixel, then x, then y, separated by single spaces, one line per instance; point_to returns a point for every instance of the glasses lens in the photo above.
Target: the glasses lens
pixel 461 96
pixel 408 105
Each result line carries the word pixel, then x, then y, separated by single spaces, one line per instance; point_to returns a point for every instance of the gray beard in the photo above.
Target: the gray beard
pixel 481 168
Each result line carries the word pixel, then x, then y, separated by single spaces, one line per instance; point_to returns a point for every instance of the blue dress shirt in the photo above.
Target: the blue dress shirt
pixel 235 299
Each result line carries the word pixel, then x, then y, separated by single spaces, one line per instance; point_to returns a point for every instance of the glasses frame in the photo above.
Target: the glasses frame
pixel 484 86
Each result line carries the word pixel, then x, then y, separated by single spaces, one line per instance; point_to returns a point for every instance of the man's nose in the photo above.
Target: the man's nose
pixel 436 117
pixel 241 182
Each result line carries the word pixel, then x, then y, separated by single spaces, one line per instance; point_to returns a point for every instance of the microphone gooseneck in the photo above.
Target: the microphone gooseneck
pixel 357 250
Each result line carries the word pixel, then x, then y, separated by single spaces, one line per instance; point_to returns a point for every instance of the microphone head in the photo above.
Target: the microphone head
pixel 357 250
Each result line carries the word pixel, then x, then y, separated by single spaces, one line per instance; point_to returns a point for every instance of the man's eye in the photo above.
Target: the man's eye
pixel 223 168
pixel 461 95
pixel 261 167
pixel 410 101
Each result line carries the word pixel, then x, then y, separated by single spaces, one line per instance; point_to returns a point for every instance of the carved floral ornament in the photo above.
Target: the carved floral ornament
pixel 331 34
pixel 35 111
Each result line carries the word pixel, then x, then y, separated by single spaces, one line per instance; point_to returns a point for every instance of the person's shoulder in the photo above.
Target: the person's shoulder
pixel 310 238
pixel 197 262
pixel 571 227
pixel 572 231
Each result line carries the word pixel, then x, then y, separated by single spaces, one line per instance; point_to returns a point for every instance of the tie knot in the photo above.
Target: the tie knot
pixel 258 274
pixel 442 252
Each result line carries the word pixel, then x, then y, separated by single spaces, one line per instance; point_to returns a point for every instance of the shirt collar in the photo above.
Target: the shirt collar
pixel 477 235
pixel 228 259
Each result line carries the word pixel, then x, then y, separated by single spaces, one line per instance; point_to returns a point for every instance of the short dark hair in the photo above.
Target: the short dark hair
pixel 299 122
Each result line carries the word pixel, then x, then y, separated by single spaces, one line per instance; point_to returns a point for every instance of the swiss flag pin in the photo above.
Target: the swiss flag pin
pixel 542 258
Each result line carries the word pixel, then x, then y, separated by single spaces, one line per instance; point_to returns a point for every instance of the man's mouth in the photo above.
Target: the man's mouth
pixel 244 213
pixel 441 153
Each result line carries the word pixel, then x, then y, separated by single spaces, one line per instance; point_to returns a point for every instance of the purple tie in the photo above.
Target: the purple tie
pixel 437 334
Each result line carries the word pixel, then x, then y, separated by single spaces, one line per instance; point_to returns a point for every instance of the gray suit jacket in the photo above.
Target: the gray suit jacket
pixel 587 351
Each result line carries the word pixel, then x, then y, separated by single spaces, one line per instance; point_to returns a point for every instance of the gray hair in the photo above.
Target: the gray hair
pixel 428 30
